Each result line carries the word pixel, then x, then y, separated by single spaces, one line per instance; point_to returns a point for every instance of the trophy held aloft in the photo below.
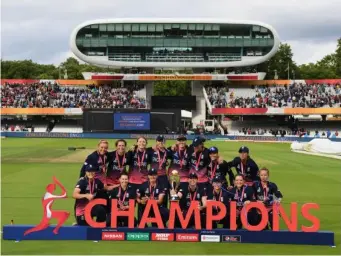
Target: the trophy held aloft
pixel 174 180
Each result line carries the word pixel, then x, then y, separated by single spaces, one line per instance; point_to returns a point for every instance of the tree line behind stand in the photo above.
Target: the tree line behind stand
pixel 328 67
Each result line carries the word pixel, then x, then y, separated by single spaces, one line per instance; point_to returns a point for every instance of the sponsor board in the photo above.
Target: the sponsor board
pixel 113 236
pixel 138 236
pixel 231 239
pixel 162 237
pixel 210 238
pixel 187 237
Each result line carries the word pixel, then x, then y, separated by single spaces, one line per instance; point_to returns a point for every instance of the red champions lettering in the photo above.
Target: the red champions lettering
pixel 113 236
pixel 187 237
pixel 163 237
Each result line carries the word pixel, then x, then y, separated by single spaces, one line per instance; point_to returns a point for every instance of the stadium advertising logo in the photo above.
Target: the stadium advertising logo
pixel 231 239
pixel 163 237
pixel 47 202
pixel 187 237
pixel 210 238
pixel 138 236
pixel 113 236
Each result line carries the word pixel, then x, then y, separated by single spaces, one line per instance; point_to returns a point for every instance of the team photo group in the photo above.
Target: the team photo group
pixel 183 172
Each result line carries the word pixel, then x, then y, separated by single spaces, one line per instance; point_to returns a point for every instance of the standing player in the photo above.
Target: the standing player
pixel 179 159
pixel 117 164
pixel 160 156
pixel 218 194
pixel 86 189
pixel 152 190
pixel 219 168
pixel 189 193
pixel 138 160
pixel 245 166
pixel 267 193
pixel 198 160
pixel 98 158
pixel 243 195
pixel 123 193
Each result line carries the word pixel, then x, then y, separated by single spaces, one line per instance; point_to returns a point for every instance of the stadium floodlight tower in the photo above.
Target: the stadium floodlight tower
pixel 197 44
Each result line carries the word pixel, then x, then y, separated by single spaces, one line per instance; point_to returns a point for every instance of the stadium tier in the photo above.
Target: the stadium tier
pixel 174 43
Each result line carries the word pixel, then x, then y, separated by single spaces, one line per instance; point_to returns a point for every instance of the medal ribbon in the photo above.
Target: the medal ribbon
pixel 213 169
pixel 198 162
pixel 240 199
pixel 159 158
pixel 265 192
pixel 194 196
pixel 103 164
pixel 242 168
pixel 92 186
pixel 182 158
pixel 140 161
pixel 150 189
pixel 120 165
pixel 219 198
pixel 124 195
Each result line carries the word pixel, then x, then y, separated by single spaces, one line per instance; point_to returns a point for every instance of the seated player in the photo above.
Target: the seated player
pixel 123 193
pixel 189 193
pixel 267 193
pixel 223 196
pixel 152 190
pixel 86 189
pixel 219 168
pixel 243 195
pixel 245 166
pixel 117 164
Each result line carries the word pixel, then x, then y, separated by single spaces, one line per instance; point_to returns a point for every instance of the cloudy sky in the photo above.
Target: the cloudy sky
pixel 40 29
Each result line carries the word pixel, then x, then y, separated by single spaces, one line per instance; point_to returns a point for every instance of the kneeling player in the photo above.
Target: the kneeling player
pixel 189 193
pixel 122 194
pixel 267 193
pixel 220 195
pixel 86 190
pixel 243 195
pixel 152 190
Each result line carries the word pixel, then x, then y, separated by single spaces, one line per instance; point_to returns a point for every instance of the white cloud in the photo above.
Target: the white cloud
pixel 40 29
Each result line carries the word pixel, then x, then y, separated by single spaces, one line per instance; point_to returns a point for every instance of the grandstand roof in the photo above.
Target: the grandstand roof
pixel 251 50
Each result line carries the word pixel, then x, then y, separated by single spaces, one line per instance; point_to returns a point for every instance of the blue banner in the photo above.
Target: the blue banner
pixel 132 121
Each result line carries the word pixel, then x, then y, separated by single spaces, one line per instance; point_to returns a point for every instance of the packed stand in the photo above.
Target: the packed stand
pixel 295 95
pixel 43 95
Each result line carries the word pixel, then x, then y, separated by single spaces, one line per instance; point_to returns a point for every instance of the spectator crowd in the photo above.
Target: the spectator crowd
pixel 294 95
pixel 43 95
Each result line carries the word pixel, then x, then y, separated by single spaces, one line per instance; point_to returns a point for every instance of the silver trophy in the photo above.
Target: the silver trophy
pixel 174 180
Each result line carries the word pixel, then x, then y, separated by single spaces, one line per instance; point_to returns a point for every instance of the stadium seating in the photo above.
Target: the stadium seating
pixel 294 95
pixel 42 95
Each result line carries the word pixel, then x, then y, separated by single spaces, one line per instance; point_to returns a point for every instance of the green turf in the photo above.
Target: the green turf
pixel 29 164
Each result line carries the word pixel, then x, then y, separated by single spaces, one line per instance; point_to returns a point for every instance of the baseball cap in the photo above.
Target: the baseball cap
pixel 160 138
pixel 193 175
pixel 216 179
pixel 152 172
pixel 181 138
pixel 244 149
pixel 91 168
pixel 213 150
pixel 198 141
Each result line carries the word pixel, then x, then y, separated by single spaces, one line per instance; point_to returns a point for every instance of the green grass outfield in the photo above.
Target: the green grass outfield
pixel 29 164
